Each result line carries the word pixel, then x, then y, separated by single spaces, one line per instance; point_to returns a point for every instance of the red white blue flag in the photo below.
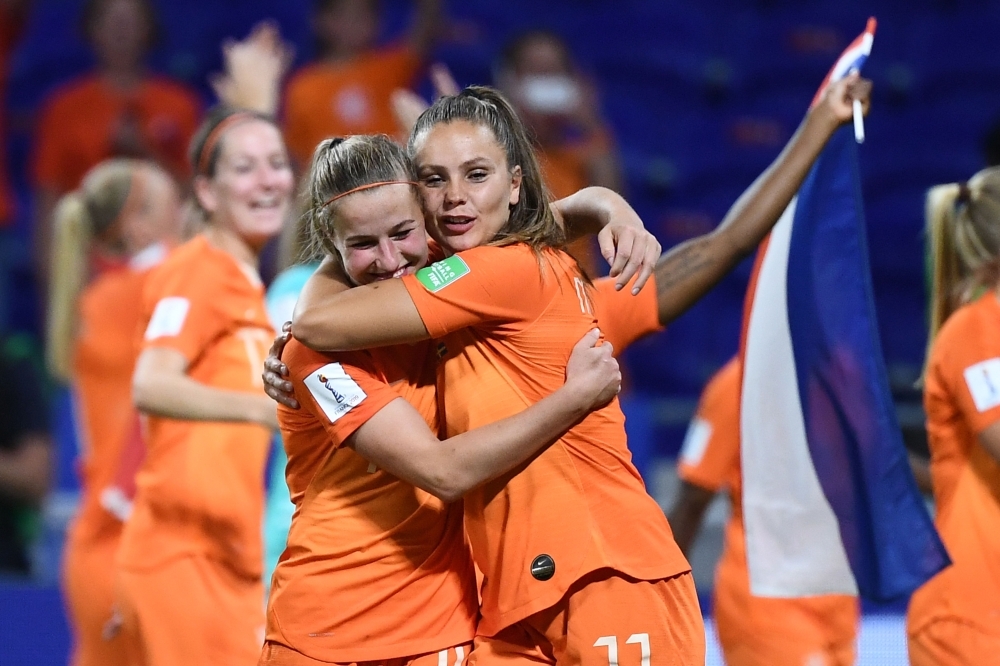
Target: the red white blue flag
pixel 830 504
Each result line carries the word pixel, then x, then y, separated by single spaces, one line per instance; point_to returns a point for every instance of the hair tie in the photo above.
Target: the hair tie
pixel 213 138
pixel 367 187
pixel 964 195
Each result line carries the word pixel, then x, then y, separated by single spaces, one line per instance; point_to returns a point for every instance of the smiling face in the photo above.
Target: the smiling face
pixel 250 191
pixel 379 233
pixel 467 185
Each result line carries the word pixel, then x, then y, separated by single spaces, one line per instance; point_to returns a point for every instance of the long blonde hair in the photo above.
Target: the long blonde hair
pixel 79 218
pixel 963 225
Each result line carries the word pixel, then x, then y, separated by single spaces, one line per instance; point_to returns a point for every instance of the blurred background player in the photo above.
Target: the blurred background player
pixel 560 106
pixel 754 631
pixel 954 619
pixel 348 89
pixel 128 212
pixel 190 587
pixel 118 110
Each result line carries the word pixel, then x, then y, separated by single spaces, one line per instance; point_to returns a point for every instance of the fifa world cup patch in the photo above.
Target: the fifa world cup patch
pixel 983 380
pixel 168 317
pixel 438 276
pixel 334 390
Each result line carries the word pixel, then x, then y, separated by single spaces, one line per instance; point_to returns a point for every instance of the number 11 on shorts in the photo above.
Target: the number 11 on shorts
pixel 611 642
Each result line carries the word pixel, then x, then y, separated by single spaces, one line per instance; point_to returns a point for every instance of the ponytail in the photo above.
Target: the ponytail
pixel 963 227
pixel 80 218
pixel 72 238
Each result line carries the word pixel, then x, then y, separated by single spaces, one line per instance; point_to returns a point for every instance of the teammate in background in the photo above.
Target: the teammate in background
pixel 347 90
pixel 954 619
pixel 754 631
pixel 119 110
pixel 550 539
pixel 128 213
pixel 190 589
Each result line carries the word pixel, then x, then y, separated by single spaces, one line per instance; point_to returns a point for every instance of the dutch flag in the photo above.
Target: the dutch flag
pixel 830 504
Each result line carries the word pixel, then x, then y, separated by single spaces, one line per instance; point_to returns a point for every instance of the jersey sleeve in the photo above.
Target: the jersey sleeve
pixel 622 317
pixel 497 285
pixel 183 314
pixel 970 369
pixel 342 391
pixel 712 445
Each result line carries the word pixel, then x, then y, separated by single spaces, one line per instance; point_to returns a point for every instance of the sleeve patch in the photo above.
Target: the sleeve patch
pixel 334 390
pixel 983 380
pixel 438 276
pixel 696 441
pixel 168 317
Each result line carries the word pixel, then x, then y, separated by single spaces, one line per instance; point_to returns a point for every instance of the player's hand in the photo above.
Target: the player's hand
pixel 838 99
pixel 593 372
pixel 629 249
pixel 276 386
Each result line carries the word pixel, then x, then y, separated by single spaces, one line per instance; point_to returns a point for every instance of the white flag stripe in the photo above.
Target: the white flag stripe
pixel 794 546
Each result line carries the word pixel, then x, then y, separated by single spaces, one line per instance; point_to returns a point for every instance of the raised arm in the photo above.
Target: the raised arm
pixel 628 248
pixel 398 440
pixel 689 270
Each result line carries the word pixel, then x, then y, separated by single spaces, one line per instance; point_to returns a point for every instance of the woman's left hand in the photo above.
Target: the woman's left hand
pixel 629 249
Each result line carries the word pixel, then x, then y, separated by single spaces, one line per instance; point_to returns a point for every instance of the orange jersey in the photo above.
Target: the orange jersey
pixel 711 460
pixel 962 398
pixel 80 124
pixel 200 490
pixel 103 360
pixel 325 100
pixel 509 320
pixel 374 568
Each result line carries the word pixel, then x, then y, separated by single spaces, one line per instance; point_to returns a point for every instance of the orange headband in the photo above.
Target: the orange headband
pixel 367 187
pixel 212 140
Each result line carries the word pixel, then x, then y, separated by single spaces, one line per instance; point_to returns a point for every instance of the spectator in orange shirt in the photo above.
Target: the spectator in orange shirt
pixel 560 105
pixel 348 89
pixel 190 561
pixel 128 211
pixel 954 619
pixel 119 110
pixel 754 631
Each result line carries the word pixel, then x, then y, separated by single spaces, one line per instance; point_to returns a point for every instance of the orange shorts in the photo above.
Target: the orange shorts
pixel 191 610
pixel 606 619
pixel 759 631
pixel 276 654
pixel 953 643
pixel 89 590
